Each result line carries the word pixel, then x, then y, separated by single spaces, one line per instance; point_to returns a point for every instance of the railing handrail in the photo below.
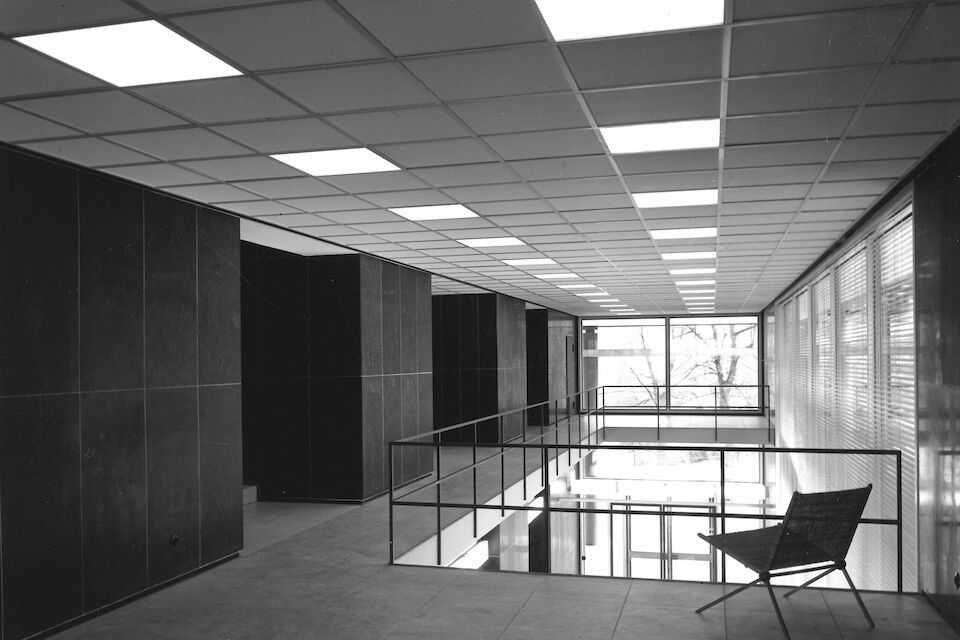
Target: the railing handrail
pixel 495 416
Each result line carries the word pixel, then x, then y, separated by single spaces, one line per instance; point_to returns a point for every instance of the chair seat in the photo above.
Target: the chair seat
pixel 753 549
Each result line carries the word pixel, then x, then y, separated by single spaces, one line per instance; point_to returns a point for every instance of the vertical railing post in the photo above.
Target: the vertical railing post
pixel 899 521
pixel 503 473
pixel 546 506
pixel 390 472
pixel 569 431
pixel 656 392
pixel 716 416
pixel 475 510
pixel 723 511
pixel 439 550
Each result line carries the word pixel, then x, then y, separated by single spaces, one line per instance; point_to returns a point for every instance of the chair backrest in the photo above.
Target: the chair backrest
pixel 819 527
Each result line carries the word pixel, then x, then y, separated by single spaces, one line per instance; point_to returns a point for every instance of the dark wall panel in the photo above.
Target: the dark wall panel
pixel 391 303
pixel 173 498
pixel 114 496
pixel 408 327
pixel 369 293
pixel 336 450
pixel 41 512
pixel 335 316
pixel 111 284
pixel 284 327
pixel 285 440
pixel 170 291
pixel 221 491
pixel 377 394
pixel 38 276
pixel 218 292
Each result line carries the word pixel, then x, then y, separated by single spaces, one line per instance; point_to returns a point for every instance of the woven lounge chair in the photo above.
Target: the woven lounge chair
pixel 815 535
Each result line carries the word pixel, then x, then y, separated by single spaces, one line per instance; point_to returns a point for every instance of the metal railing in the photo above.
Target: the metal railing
pixel 575 433
pixel 664 404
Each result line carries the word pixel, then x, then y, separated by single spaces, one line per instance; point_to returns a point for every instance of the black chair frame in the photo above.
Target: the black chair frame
pixel 815 535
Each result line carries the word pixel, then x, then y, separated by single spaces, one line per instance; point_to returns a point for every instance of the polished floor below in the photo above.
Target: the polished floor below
pixel 320 572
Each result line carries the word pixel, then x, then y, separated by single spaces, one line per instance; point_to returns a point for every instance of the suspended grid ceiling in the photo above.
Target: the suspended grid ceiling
pixel 821 113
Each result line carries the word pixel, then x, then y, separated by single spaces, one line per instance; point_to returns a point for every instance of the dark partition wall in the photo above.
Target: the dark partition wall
pixel 479 362
pixel 119 390
pixel 937 260
pixel 551 367
pixel 335 367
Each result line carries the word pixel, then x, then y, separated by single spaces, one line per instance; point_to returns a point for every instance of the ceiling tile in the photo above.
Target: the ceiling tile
pixel 247 168
pixel 783 153
pixel 669 161
pixel 878 148
pixel 655 104
pixel 90 152
pixel 210 193
pixel 412 26
pixel 559 168
pixel 934 35
pixel 30 16
pixel 292 220
pixel 364 86
pixel 906 118
pixel 101 111
pixel 16 126
pixel 815 43
pixel 578 187
pixel 918 82
pixel 157 175
pixel 220 100
pixel 374 182
pixel 544 144
pixel 262 208
pixel 277 136
pixel 687 55
pixel 437 154
pixel 356 217
pixel 492 192
pixel 180 144
pixel 423 123
pixel 328 203
pixel 786 174
pixel 468 174
pixel 422 197
pixel 798 91
pixel 288 187
pixel 24 72
pixel 522 113
pixel 580 203
pixel 851 188
pixel 283 35
pixel 498 72
pixel 867 170
pixel 672 181
pixel 828 204
pixel 510 207
pixel 773 192
pixel 787 127
pixel 172 6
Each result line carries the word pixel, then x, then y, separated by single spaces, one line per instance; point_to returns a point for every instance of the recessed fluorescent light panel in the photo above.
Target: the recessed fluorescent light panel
pixel 336 162
pixel 691 255
pixel 688 198
pixel 131 54
pixel 590 294
pixel 437 212
pixel 692 272
pixel 687 299
pixel 683 234
pixel 578 286
pixel 662 136
pixel 555 276
pixel 684 292
pixel 530 262
pixel 479 243
pixel 696 283
pixel 578 20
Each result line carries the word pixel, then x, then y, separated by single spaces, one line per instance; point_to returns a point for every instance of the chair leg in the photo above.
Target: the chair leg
pixel 729 595
pixel 776 607
pixel 809 582
pixel 856 594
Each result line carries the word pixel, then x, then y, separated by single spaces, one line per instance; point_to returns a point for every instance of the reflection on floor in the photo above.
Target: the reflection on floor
pixel 331 580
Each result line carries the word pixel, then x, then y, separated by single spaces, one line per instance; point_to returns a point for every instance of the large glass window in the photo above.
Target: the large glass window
pixel 713 362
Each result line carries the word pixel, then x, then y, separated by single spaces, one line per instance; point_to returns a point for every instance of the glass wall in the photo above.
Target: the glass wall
pixel 713 362
pixel 847 339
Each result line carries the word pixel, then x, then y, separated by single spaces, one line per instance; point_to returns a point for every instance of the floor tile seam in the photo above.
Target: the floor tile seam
pixel 626 596
pixel 517 613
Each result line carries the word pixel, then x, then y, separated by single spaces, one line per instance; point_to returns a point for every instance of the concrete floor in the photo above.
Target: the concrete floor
pixel 321 572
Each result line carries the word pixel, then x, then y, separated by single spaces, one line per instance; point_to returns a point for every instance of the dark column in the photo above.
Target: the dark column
pixel 937 260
